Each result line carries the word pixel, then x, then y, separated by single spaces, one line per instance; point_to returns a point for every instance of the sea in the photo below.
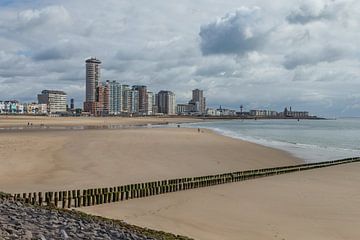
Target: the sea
pixel 310 140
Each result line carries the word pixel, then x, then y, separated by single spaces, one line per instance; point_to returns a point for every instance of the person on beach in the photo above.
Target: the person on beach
pixel 198 130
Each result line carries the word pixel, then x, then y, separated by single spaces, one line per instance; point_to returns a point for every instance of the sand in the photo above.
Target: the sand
pixel 317 204
pixel 321 204
pixel 63 160
pixel 7 121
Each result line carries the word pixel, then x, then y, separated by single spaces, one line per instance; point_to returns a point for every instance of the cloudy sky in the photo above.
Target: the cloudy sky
pixel 259 53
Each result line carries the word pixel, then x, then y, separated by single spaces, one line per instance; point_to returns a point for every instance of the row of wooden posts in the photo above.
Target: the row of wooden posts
pixel 95 196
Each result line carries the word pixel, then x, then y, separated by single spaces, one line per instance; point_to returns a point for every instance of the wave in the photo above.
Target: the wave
pixel 307 152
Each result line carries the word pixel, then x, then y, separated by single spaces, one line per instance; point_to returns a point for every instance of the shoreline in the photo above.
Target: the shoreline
pixel 292 206
pixel 310 153
pixel 38 122
pixel 50 160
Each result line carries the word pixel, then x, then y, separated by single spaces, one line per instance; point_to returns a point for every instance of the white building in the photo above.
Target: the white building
pixel 35 108
pixel 150 103
pixel 115 97
pixel 55 100
pixel 263 113
pixel 134 101
pixel 11 107
pixel 213 112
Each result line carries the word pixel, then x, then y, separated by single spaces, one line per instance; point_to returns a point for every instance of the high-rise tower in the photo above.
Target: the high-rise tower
pixel 93 97
pixel 166 102
pixel 198 100
pixel 92 78
pixel 143 100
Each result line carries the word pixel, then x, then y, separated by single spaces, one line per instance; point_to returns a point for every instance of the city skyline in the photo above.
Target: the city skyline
pixel 254 53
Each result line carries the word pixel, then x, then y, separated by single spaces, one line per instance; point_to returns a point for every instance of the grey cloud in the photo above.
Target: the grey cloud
pixel 31 18
pixel 235 33
pixel 246 52
pixel 313 56
pixel 52 54
pixel 315 10
pixel 62 49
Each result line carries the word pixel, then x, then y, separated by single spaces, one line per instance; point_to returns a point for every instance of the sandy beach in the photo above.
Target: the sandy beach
pixel 60 160
pixel 318 204
pixel 11 121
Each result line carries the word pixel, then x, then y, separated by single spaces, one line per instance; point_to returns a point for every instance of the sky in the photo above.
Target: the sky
pixel 260 54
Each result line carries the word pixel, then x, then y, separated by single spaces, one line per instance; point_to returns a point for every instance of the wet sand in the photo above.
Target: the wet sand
pixel 13 121
pixel 321 204
pixel 62 160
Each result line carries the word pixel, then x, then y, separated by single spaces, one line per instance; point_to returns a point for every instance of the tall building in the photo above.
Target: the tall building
pixel 93 100
pixel 142 98
pixel 125 99
pixel 166 102
pixel 198 101
pixel 133 101
pixel 55 100
pixel 92 78
pixel 72 104
pixel 104 99
pixel 115 97
pixel 150 103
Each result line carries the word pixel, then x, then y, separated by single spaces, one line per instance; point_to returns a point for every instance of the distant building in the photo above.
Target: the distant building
pixel 213 112
pixel 198 101
pixel 93 101
pixel 126 99
pixel 142 98
pixel 72 104
pixel 36 108
pixel 134 101
pixel 225 112
pixel 295 114
pixel 183 109
pixel 115 97
pixel 166 102
pixel 263 113
pixel 11 107
pixel 55 100
pixel 150 103
pixel 92 78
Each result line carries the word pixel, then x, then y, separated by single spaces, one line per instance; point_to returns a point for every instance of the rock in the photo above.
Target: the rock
pixel 28 235
pixel 42 237
pixel 64 234
pixel 22 221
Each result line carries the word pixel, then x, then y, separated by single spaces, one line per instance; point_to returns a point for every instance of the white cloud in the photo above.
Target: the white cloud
pixel 276 54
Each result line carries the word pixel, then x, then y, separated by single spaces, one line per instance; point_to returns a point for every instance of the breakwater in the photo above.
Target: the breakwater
pixel 95 196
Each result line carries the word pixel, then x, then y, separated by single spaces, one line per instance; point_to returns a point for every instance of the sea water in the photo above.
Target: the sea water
pixel 311 140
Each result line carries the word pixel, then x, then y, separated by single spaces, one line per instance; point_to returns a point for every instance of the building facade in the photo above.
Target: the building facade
pixel 166 102
pixel 183 109
pixel 93 100
pixel 134 101
pixel 115 97
pixel 125 99
pixel 263 113
pixel 35 109
pixel 150 103
pixel 55 100
pixel 142 98
pixel 198 101
pixel 92 78
pixel 11 107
